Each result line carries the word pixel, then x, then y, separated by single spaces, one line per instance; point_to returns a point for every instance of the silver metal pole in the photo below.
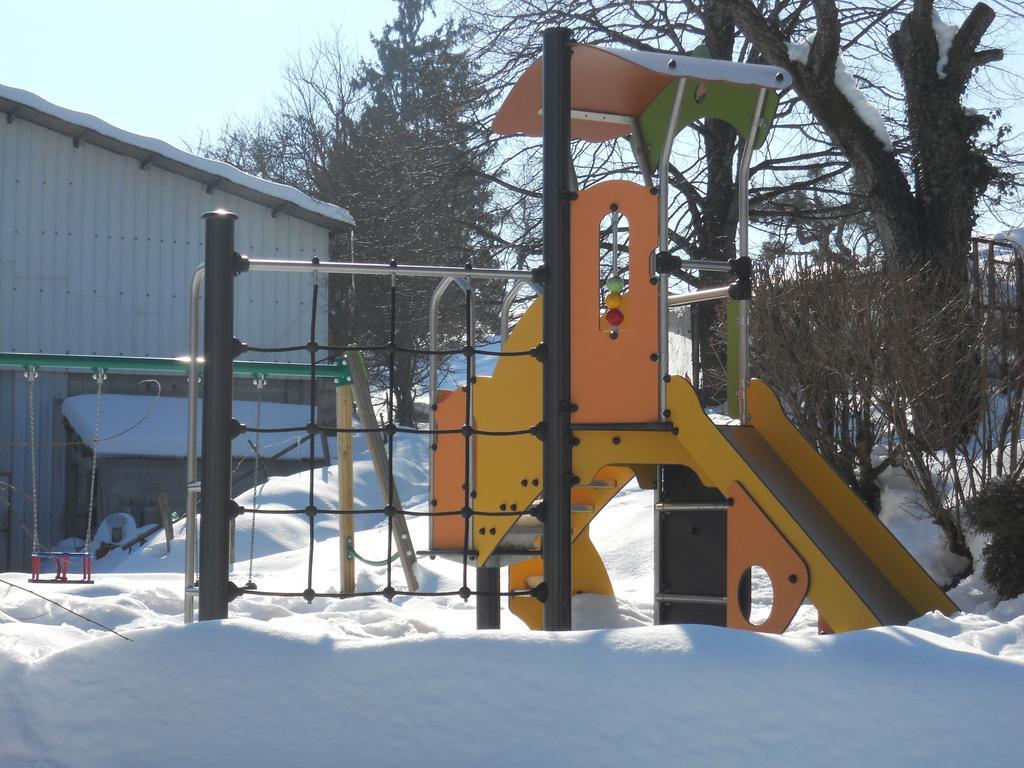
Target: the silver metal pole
pixel 615 244
pixel 636 139
pixel 400 270
pixel 435 302
pixel 743 315
pixel 192 454
pixel 663 186
pixel 705 294
pixel 702 265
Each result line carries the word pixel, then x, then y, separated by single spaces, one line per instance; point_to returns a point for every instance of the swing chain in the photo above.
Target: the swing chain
pixel 259 381
pixel 31 374
pixel 99 376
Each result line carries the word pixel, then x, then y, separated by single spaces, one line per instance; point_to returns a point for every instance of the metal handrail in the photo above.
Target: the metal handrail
pixel 126 363
pixel 506 305
pixel 393 270
pixel 663 184
pixel 743 313
pixel 435 302
pixel 705 294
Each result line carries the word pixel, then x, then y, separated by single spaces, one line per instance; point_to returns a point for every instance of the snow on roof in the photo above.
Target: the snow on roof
pixel 147 425
pixel 1014 236
pixel 84 127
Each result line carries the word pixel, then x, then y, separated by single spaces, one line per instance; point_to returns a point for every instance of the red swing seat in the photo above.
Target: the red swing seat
pixel 62 561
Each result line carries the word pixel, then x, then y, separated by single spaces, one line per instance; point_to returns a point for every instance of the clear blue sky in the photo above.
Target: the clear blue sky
pixel 170 69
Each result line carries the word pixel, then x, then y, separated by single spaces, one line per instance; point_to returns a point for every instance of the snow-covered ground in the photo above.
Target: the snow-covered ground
pixel 360 681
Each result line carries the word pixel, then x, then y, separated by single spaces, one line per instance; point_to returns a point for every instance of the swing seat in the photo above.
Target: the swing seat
pixel 62 561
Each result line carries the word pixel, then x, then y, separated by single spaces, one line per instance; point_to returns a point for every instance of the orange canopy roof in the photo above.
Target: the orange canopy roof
pixel 612 81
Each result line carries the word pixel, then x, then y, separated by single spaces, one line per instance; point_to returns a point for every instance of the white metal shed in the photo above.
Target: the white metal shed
pixel 100 230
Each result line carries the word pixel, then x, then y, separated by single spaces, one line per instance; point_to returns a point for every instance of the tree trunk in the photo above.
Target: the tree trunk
pixel 404 390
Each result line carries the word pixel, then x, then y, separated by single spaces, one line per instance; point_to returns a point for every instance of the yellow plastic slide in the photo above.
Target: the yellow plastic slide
pixel 859 575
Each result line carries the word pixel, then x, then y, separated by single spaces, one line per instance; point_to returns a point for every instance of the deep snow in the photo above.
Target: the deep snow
pixel 363 682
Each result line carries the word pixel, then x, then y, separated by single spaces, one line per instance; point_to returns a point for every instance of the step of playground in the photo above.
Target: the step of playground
pixel 529 528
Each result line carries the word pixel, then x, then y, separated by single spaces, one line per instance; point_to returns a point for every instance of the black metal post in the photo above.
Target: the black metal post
pixel 488 602
pixel 556 388
pixel 218 337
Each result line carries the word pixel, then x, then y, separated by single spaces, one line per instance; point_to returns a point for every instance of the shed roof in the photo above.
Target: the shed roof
pixel 143 425
pixel 24 105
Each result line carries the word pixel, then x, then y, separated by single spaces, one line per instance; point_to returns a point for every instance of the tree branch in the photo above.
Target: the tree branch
pixel 964 56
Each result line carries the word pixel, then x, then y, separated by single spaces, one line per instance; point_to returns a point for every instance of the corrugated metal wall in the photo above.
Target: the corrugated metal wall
pixel 96 257
pixel 96 254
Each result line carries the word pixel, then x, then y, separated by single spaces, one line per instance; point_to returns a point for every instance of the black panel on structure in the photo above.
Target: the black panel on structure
pixel 692 553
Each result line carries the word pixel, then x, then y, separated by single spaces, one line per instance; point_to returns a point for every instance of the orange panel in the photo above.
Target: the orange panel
pixel 601 82
pixel 753 540
pixel 588 575
pixel 614 379
pixel 449 531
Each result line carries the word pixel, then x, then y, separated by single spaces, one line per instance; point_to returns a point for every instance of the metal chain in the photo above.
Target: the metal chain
pixel 259 382
pixel 31 374
pixel 99 376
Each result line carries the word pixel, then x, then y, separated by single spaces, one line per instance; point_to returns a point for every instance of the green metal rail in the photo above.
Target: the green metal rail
pixel 164 365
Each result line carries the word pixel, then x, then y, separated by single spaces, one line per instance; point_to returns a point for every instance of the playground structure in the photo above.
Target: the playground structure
pixel 523 460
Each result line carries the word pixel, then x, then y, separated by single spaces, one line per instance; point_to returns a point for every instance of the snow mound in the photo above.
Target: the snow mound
pixel 265 693
pixel 410 682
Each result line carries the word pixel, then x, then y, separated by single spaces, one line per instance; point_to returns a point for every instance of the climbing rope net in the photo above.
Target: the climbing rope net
pixel 387 428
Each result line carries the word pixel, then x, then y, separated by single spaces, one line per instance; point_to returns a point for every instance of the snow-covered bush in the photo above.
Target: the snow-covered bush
pixel 876 366
pixel 998 511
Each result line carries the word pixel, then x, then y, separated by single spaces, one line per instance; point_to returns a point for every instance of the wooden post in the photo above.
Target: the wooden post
pixel 165 517
pixel 346 494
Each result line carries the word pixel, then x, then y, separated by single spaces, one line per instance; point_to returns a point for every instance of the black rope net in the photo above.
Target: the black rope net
pixel 388 429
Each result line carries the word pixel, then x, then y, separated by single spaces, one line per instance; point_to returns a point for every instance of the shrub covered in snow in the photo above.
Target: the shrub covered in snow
pixel 998 510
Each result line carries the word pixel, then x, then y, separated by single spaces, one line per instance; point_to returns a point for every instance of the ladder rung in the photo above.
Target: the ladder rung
pixel 696 506
pixel 665 597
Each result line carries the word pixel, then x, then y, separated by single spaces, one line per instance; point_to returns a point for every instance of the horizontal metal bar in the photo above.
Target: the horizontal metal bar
pixel 450 552
pixel 624 426
pixel 664 597
pixel 154 364
pixel 706 265
pixel 709 506
pixel 399 270
pixel 706 294
pixel 191 590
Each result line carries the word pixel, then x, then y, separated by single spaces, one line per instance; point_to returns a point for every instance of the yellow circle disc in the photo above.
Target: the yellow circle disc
pixel 613 300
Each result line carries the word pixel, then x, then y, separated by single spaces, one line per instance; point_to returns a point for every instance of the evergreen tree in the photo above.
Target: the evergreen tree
pixel 411 173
